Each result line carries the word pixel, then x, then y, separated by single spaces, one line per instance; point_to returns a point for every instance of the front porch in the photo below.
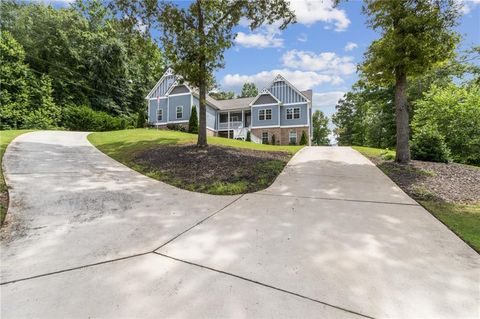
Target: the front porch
pixel 234 124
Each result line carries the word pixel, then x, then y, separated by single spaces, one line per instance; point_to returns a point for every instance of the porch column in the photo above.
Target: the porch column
pixel 243 118
pixel 228 119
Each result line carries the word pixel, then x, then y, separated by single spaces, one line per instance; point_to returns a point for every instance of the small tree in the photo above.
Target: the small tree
pixel 320 128
pixel 304 139
pixel 273 139
pixel 193 122
pixel 141 121
pixel 415 36
pixel 249 90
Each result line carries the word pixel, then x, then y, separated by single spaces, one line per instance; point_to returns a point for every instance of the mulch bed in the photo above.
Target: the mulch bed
pixel 203 166
pixel 455 183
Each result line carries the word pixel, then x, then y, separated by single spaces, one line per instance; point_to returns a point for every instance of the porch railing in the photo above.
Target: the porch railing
pixel 233 125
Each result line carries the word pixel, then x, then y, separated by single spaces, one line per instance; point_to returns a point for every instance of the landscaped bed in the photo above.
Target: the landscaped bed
pixel 225 167
pixel 451 192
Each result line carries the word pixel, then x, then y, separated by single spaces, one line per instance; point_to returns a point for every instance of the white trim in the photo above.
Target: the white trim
pixel 265 119
pixel 290 126
pixel 168 110
pixel 263 92
pixel 157 98
pixel 293 113
pixel 267 126
pixel 183 121
pixel 168 72
pixel 279 78
pixel 179 94
pixel 176 112
pixel 296 103
pixel 270 104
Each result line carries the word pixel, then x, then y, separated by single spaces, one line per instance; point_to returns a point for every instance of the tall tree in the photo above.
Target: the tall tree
pixel 195 37
pixel 249 90
pixel 320 129
pixel 222 95
pixel 416 35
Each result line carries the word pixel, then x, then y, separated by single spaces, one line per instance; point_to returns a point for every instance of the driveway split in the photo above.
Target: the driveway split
pixel 333 237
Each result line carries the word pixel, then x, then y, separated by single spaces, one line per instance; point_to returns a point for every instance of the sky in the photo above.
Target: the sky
pixel 319 52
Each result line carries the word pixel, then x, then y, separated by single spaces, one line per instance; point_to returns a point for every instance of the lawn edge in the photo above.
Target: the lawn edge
pixel 420 204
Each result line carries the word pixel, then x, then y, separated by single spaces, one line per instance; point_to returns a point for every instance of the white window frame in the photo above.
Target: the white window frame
pixel 293 109
pixel 176 112
pixel 264 111
pixel 160 112
pixel 294 135
pixel 263 133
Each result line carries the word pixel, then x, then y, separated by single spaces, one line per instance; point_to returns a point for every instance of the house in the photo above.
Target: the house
pixel 279 114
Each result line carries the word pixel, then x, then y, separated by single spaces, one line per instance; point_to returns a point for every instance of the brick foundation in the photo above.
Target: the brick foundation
pixel 281 134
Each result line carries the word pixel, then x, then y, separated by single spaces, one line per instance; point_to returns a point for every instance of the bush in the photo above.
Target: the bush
pixel 303 139
pixel 273 139
pixel 429 145
pixel 387 155
pixel 176 127
pixel 193 122
pixel 83 118
pixel 248 139
pixel 141 120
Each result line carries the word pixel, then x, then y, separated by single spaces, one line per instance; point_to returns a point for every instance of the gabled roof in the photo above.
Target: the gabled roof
pixel 168 72
pixel 264 92
pixel 279 77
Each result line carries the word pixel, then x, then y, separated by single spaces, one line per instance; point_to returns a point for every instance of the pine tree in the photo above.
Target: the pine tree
pixel 303 139
pixel 193 122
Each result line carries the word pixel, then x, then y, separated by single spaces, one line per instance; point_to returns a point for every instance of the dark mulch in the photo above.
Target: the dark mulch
pixel 193 166
pixel 455 183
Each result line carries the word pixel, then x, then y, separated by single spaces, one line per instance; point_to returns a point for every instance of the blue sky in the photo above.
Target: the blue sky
pixel 319 52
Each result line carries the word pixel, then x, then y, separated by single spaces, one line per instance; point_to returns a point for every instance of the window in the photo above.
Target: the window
pixel 159 115
pixel 293 113
pixel 265 114
pixel 292 137
pixel 179 112
pixel 264 137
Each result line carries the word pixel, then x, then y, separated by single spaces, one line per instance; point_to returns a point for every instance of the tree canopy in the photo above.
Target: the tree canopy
pixel 320 129
pixel 249 90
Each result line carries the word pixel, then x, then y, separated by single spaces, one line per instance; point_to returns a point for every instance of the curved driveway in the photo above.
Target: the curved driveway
pixel 333 237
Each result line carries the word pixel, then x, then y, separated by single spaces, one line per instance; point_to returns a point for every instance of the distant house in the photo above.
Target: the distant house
pixel 279 113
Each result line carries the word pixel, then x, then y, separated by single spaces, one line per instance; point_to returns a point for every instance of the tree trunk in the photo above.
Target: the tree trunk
pixel 202 123
pixel 402 117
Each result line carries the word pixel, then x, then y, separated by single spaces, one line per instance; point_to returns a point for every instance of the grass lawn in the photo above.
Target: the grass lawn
pixel 444 201
pixel 238 166
pixel 5 138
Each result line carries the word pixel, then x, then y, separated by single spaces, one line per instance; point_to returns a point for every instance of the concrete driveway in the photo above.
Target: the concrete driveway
pixel 332 238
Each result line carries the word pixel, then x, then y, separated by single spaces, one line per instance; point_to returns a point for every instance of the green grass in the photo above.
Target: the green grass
pixel 374 152
pixel 464 220
pixel 124 145
pixel 5 138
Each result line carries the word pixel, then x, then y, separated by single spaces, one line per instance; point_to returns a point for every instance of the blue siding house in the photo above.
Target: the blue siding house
pixel 279 114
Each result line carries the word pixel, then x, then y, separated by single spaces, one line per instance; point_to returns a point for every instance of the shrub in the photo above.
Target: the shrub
pixel 273 139
pixel 303 139
pixel 176 127
pixel 248 139
pixel 387 155
pixel 193 122
pixel 83 118
pixel 141 120
pixel 429 145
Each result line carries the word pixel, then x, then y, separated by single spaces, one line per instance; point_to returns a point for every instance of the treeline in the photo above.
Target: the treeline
pixel 444 108
pixel 78 67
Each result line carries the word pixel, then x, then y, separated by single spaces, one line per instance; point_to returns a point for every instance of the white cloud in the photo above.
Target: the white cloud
pixel 350 46
pixel 303 80
pixel 467 5
pixel 309 12
pixel 302 37
pixel 327 62
pixel 266 37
